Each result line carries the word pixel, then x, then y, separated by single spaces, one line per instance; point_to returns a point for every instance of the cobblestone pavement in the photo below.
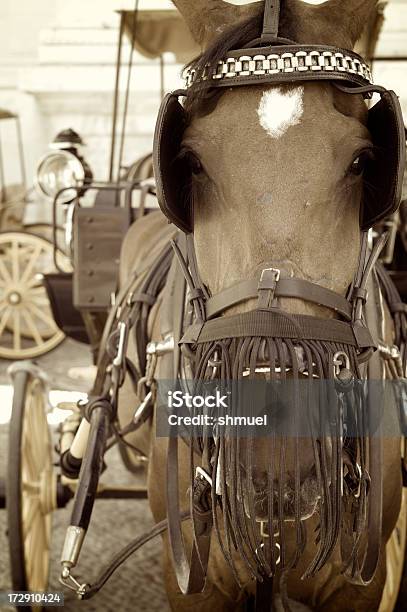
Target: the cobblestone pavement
pixel 57 364
pixel 136 586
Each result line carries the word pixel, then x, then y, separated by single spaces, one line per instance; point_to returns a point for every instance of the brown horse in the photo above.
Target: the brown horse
pixel 278 173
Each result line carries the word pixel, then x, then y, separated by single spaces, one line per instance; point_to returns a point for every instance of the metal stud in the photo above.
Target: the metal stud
pixel 259 64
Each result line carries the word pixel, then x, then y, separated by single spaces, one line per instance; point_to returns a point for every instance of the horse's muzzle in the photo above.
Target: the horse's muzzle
pixel 276 501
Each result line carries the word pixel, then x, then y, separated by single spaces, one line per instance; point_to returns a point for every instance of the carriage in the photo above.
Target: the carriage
pixel 35 488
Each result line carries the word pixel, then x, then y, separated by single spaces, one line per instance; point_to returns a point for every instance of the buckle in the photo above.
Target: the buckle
pixel 202 502
pixel 200 473
pixel 267 287
pixel 121 345
pixel 354 480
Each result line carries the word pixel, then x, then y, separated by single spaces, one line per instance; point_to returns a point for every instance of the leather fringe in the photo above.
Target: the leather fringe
pixel 232 457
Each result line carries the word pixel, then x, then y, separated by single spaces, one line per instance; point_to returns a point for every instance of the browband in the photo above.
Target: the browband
pixel 281 64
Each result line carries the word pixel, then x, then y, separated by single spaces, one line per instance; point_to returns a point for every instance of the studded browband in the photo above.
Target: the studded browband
pixel 286 63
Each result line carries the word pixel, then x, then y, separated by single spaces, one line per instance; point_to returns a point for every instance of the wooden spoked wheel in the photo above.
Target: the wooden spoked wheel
pixel 27 327
pixel 31 481
pixel 395 559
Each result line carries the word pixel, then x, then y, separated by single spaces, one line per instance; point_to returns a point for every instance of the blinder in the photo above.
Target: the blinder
pixel 172 175
pixel 383 174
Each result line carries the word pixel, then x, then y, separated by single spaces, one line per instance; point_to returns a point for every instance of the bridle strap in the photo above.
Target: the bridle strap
pixel 191 574
pixel 264 595
pixel 190 571
pixel 364 567
pixel 213 326
pixel 275 323
pixel 271 19
pixel 285 287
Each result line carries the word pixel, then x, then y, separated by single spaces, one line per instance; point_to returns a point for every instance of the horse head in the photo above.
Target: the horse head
pixel 274 184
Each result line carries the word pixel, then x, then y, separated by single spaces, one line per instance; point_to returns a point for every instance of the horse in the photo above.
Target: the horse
pixel 276 174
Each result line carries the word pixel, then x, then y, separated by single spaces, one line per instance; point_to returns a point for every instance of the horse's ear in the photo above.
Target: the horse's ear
pixel 207 19
pixel 350 15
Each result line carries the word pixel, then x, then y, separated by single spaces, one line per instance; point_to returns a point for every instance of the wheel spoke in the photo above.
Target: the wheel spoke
pixel 34 283
pixel 6 277
pixel 16 330
pixel 31 510
pixel 38 576
pixel 33 417
pixel 40 299
pixel 42 315
pixel 15 263
pixel 4 320
pixel 27 472
pixel 28 557
pixel 39 428
pixel 36 522
pixel 33 329
pixel 30 266
pixel 32 552
pixel 40 290
pixel 32 463
pixel 31 488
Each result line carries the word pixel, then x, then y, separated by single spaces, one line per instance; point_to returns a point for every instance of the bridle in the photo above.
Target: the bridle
pixel 337 349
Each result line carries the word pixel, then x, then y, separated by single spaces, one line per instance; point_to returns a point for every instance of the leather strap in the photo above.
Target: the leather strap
pixel 264 595
pixel 190 574
pixel 271 20
pixel 285 287
pixel 278 324
pixel 363 570
pixel 357 81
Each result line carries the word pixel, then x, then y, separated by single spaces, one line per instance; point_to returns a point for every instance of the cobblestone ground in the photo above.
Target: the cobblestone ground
pixel 136 586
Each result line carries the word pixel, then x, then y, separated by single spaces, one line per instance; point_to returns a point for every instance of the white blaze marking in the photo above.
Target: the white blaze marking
pixel 280 110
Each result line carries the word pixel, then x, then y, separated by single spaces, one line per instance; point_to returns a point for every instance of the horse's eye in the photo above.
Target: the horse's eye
pixel 358 165
pixel 194 164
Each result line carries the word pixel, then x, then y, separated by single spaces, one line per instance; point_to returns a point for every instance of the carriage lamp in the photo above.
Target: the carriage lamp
pixel 63 167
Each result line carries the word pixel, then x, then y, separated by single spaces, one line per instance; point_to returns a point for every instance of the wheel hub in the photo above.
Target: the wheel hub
pixel 14 298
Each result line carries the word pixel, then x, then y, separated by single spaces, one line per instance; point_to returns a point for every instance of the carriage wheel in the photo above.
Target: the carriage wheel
pixel 27 327
pixel 31 481
pixel 395 555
